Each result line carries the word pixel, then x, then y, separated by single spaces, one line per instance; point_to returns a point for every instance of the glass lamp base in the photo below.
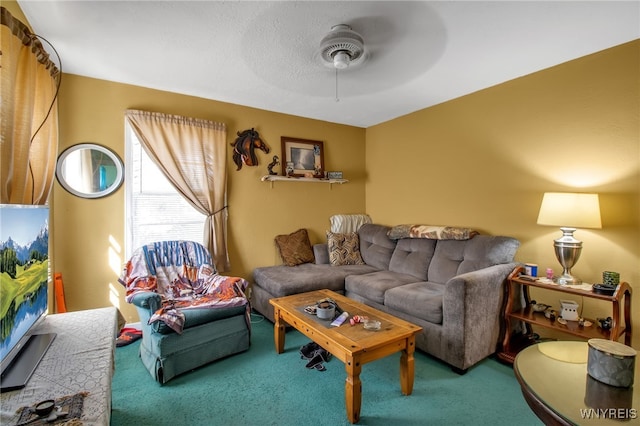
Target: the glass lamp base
pixel 566 279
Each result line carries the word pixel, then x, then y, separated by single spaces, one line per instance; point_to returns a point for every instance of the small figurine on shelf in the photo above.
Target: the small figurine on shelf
pixel 272 164
pixel 549 273
pixel 539 307
pixel 605 323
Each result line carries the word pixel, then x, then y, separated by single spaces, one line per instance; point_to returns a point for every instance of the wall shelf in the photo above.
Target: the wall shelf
pixel 276 178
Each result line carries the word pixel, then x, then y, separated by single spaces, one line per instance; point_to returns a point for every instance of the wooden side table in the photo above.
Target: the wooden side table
pixel 620 303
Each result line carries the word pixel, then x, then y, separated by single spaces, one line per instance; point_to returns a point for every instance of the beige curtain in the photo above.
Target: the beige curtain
pixel 29 142
pixel 192 154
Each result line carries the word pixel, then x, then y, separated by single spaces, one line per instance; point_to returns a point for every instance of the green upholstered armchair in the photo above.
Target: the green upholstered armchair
pixel 190 315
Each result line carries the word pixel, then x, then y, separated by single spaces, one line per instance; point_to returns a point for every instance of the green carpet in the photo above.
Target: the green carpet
pixel 259 387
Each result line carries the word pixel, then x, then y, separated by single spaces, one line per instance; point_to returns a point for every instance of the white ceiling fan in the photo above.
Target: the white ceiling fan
pixel 342 48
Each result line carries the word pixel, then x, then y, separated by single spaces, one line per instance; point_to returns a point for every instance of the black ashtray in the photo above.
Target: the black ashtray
pixel 44 408
pixel 607 289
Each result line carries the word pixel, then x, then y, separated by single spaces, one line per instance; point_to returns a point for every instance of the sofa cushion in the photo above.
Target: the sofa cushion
pixel 295 248
pixel 344 248
pixel 446 259
pixel 198 316
pixel 421 300
pixel 453 257
pixel 375 247
pixel 483 251
pixel 321 253
pixel 286 280
pixel 412 256
pixel 372 286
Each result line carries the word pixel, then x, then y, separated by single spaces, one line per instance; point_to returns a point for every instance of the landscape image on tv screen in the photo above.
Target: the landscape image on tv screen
pixel 24 265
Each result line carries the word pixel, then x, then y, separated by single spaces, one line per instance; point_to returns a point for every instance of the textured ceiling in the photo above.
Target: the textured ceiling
pixel 263 54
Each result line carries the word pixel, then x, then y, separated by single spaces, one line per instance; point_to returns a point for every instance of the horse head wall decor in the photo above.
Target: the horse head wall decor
pixel 244 148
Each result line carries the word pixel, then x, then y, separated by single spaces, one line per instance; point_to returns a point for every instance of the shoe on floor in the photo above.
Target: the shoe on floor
pixel 309 350
pixel 316 362
pixel 326 356
pixel 127 336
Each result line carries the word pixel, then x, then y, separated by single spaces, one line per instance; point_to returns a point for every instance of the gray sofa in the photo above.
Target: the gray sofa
pixel 453 289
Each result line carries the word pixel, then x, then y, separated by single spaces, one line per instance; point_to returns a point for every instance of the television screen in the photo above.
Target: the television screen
pixel 24 272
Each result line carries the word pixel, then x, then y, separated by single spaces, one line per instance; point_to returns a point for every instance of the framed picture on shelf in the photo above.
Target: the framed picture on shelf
pixel 303 157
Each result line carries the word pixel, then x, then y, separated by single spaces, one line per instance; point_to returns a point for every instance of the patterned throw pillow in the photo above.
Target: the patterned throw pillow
pixel 295 248
pixel 344 249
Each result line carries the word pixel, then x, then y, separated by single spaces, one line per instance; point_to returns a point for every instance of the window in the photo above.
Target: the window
pixel 154 210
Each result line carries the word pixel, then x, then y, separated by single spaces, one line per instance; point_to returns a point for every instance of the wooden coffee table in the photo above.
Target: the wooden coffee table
pixel 353 345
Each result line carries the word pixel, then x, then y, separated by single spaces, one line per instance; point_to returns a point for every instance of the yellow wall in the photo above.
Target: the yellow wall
pixel 88 244
pixel 484 161
pixel 14 9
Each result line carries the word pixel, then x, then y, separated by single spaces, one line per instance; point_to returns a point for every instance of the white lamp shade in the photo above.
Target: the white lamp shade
pixel 572 210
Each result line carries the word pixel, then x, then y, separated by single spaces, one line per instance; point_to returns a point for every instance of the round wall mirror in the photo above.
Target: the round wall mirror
pixel 89 170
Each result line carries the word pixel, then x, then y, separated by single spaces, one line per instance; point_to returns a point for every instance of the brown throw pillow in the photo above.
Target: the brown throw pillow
pixel 295 248
pixel 344 249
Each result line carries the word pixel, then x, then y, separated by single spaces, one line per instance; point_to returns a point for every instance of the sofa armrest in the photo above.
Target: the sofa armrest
pixel 472 310
pixel 147 300
pixel 321 253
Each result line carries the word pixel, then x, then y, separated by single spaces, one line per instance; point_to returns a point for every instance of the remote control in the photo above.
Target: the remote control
pixel 340 320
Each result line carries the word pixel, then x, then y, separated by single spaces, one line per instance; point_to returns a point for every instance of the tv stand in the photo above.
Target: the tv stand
pixel 79 360
pixel 25 363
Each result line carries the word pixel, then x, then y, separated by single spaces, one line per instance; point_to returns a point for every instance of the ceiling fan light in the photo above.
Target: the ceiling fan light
pixel 341 48
pixel 341 60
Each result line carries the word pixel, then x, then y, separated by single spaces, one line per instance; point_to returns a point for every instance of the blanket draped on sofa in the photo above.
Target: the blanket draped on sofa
pixel 431 232
pixel 345 223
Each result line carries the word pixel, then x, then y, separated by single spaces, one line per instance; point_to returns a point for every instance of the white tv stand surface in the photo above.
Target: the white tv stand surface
pixel 80 359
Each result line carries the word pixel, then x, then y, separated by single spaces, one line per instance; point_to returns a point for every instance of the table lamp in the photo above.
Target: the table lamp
pixel 569 211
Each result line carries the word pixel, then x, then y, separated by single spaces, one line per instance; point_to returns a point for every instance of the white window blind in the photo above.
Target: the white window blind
pixel 154 210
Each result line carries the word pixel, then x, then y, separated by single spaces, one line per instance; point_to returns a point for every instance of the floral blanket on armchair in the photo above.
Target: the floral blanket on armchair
pixel 183 275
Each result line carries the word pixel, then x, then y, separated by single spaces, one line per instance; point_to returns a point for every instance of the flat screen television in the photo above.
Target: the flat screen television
pixel 24 284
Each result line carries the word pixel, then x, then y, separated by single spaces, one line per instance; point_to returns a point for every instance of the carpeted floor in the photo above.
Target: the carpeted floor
pixel 259 387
